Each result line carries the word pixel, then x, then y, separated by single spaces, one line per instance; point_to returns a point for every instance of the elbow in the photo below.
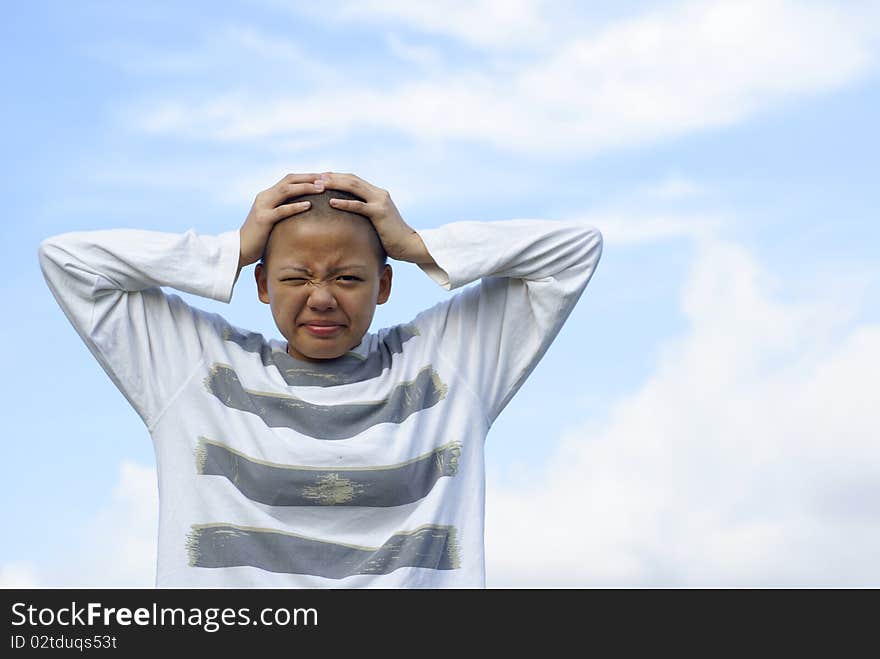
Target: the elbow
pixel 52 253
pixel 583 250
pixel 45 251
pixel 591 245
pixel 48 249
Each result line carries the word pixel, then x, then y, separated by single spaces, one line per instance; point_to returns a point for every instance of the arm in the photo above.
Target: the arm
pixel 107 283
pixel 531 272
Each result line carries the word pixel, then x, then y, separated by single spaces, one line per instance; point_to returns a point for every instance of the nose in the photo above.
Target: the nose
pixel 321 298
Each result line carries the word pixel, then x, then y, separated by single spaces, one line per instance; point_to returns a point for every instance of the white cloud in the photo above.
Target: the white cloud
pixel 116 548
pixel 423 56
pixel 701 64
pixel 18 574
pixel 417 176
pixel 674 187
pixel 625 228
pixel 665 73
pixel 748 458
pixel 481 23
pixel 211 51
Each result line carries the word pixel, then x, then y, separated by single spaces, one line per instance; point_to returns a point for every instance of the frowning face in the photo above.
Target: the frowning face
pixel 323 281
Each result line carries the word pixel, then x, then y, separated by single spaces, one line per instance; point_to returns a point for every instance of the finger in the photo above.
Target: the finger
pixel 284 192
pixel 351 205
pixel 289 210
pixel 297 178
pixel 349 183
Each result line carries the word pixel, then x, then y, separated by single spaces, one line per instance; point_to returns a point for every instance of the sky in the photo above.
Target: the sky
pixel 708 414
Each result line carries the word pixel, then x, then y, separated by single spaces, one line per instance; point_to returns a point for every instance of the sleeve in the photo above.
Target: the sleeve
pixel 107 283
pixel 531 272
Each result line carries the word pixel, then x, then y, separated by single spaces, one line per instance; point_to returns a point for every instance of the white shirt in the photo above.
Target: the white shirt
pixel 365 471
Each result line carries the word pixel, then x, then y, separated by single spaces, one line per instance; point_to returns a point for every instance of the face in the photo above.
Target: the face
pixel 323 282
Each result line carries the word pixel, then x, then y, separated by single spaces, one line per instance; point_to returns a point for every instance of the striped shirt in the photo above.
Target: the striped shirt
pixel 362 471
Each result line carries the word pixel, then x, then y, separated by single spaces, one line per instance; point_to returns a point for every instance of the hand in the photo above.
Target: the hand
pixel 268 209
pixel 401 241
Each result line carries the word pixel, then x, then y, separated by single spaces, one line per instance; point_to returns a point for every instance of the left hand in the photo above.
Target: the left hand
pixel 401 241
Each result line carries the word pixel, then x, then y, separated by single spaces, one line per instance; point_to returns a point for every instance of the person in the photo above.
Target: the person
pixel 338 457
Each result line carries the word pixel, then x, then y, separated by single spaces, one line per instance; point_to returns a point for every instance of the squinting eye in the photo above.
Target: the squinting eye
pixel 350 278
pixel 294 279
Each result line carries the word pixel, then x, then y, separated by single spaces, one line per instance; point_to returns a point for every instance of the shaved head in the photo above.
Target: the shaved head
pixel 340 249
pixel 322 211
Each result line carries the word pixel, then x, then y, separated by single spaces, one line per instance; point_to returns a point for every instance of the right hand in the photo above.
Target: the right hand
pixel 268 209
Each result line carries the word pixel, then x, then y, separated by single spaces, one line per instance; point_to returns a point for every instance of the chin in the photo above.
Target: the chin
pixel 323 349
pixel 326 354
pixel 321 352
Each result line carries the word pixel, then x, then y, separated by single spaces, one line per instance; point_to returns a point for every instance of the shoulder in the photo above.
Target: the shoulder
pixel 207 323
pixel 393 338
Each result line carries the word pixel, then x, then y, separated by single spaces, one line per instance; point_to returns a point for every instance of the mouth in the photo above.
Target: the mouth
pixel 323 329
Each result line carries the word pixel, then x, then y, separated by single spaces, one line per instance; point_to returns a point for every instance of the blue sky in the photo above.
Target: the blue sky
pixel 704 418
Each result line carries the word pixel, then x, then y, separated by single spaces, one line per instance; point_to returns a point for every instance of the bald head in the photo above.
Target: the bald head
pixel 322 211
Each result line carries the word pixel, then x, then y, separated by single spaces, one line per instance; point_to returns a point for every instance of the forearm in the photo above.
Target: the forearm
pixel 92 263
pixel 531 250
pixel 531 272
pixel 417 252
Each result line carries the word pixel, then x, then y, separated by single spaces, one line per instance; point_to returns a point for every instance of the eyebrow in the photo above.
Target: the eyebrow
pixel 333 271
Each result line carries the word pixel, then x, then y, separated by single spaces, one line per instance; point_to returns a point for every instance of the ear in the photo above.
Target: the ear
pixel 384 285
pixel 262 287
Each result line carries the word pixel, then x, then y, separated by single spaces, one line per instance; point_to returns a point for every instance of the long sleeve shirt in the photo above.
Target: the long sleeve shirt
pixel 362 471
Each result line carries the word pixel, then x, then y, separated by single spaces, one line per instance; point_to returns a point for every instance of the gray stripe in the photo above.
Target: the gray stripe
pixel 327 421
pixel 227 545
pixel 350 367
pixel 289 485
